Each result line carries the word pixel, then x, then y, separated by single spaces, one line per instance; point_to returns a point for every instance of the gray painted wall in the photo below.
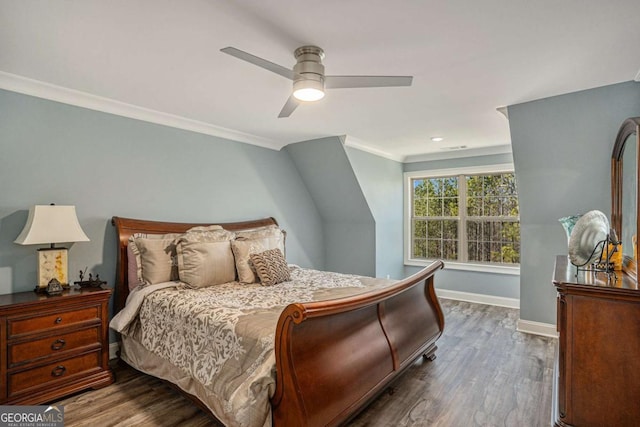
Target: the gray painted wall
pixel 348 225
pixel 381 182
pixel 109 165
pixel 499 285
pixel 562 149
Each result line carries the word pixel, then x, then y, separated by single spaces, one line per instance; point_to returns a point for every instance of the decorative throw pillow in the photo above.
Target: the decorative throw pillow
pixel 270 266
pixel 205 257
pixel 135 261
pixel 251 242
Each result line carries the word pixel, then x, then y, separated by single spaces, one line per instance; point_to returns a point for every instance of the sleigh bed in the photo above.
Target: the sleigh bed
pixel 329 358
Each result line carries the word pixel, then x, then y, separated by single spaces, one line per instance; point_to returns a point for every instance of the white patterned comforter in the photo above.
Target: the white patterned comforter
pixel 223 336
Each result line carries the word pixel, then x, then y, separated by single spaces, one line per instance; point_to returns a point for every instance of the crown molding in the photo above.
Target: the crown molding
pixel 40 89
pixel 470 152
pixel 358 144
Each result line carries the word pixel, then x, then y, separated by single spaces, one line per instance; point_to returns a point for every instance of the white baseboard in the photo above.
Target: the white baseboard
pixel 537 328
pixel 478 298
pixel 114 347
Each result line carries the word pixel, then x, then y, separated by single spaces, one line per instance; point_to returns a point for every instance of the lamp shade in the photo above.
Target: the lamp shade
pixel 48 224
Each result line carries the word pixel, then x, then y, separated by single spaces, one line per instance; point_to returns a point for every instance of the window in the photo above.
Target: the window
pixel 468 216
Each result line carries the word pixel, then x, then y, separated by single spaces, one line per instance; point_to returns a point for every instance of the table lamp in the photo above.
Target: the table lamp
pixel 51 224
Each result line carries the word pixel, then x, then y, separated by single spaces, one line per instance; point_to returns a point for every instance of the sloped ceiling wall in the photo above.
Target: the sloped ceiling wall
pixel 348 224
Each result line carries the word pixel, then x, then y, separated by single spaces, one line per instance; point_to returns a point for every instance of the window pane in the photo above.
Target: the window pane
pixel 450 250
pixel 474 186
pixel 434 229
pixel 434 248
pixel 419 189
pixel 450 186
pixel 491 206
pixel 450 230
pixel 450 206
pixel 474 206
pixel 420 207
pixel 496 252
pixel 419 229
pixel 419 248
pixel 435 206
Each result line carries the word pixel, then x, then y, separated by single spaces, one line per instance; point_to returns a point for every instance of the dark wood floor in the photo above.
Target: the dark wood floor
pixel 486 374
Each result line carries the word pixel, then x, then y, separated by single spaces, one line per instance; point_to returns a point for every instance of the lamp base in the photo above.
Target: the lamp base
pixel 52 264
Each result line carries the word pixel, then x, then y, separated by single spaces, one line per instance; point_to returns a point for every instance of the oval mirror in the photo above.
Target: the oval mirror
pixel 624 192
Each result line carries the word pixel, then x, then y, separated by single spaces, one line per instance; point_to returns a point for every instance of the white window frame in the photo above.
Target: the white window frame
pixel 453 265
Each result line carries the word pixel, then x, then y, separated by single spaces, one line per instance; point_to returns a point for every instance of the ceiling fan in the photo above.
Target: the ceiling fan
pixel 309 81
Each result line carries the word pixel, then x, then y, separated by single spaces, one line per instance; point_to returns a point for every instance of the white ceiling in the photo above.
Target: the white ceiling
pixel 467 58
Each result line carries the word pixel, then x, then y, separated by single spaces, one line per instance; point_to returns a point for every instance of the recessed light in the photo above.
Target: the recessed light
pixel 437 138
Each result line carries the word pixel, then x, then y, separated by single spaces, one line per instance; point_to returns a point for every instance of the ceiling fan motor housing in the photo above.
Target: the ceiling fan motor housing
pixel 309 66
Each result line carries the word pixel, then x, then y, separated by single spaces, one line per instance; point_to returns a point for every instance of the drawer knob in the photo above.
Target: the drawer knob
pixel 58 371
pixel 58 344
pixel 58 319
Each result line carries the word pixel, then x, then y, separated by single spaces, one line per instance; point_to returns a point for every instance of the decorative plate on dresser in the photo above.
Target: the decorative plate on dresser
pixel 51 346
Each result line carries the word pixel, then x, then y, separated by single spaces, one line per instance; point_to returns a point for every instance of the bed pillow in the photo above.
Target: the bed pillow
pixel 251 242
pixel 157 260
pixel 270 236
pixel 135 261
pixel 270 266
pixel 203 264
pixel 132 268
pixel 205 257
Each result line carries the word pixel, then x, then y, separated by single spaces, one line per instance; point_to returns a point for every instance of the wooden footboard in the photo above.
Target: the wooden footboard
pixel 333 357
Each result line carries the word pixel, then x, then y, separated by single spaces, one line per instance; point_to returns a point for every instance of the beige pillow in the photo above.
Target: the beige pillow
pixel 203 264
pixel 205 257
pixel 270 266
pixel 135 263
pixel 211 233
pixel 270 237
pixel 251 242
pixel 157 259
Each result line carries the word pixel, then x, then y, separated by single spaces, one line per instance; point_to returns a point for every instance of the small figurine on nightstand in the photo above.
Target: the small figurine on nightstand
pixel 91 283
pixel 54 287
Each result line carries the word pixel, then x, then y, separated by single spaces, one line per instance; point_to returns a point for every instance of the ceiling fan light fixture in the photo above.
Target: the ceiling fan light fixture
pixel 308 90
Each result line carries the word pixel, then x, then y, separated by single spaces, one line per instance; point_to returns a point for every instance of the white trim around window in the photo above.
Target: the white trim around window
pixel 452 265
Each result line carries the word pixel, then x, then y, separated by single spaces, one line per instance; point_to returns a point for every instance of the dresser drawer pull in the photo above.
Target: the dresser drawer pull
pixel 58 319
pixel 58 371
pixel 58 344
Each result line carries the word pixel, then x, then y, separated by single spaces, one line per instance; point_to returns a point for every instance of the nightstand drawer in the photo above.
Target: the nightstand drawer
pixel 18 326
pixel 49 375
pixel 28 351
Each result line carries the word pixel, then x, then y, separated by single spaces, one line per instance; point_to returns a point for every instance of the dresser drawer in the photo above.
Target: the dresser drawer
pixel 51 374
pixel 28 351
pixel 22 325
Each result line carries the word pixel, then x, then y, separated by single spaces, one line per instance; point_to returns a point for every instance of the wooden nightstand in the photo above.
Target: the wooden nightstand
pixel 51 346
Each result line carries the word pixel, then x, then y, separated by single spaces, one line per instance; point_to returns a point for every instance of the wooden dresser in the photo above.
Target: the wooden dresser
pixel 597 375
pixel 51 346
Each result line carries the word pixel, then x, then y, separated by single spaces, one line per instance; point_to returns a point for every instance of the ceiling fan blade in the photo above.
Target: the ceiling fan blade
pixel 263 63
pixel 343 82
pixel 291 104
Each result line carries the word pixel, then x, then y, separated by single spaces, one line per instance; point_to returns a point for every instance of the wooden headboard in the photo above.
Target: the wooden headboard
pixel 125 227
